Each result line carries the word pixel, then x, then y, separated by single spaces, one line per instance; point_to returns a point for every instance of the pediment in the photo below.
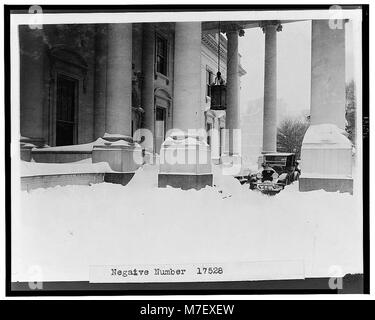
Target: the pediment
pixel 69 56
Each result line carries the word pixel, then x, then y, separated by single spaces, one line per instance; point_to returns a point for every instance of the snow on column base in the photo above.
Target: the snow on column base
pixel 27 144
pixel 326 160
pixel 121 155
pixel 185 162
pixel 37 142
pixel 25 152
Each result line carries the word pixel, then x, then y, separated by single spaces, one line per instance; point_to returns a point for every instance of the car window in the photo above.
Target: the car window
pixel 276 160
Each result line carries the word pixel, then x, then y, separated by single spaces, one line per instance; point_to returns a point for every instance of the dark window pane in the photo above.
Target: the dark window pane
pixel 161 47
pixel 161 55
pixel 65 110
pixel 160 114
pixel 65 99
pixel 209 80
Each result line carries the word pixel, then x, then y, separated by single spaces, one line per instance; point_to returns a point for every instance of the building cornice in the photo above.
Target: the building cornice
pixel 211 43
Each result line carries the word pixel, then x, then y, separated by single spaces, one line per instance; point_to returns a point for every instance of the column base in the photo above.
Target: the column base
pixel 327 184
pixel 121 155
pixel 185 181
pixel 326 160
pixel 27 144
pixel 25 152
pixel 185 162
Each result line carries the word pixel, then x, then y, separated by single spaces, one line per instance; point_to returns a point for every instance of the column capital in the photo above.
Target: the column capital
pixel 266 23
pixel 232 27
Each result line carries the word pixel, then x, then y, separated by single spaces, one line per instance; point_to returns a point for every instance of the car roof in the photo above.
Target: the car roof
pixel 279 154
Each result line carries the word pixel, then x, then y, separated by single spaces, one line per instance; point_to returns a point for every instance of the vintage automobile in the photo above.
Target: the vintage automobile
pixel 278 170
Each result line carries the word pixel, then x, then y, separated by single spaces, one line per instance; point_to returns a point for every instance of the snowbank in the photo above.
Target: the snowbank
pixel 83 166
pixel 63 230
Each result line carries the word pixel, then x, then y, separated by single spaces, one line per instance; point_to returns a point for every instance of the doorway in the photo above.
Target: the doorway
pixel 160 127
pixel 66 103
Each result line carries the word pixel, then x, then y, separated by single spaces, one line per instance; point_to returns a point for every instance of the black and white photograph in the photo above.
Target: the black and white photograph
pixel 163 149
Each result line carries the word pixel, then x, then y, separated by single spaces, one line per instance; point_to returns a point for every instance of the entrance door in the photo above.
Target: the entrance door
pixel 65 110
pixel 160 125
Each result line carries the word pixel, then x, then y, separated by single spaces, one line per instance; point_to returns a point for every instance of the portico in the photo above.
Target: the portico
pixel 154 70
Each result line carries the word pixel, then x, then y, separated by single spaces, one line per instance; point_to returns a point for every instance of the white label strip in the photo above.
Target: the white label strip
pixel 198 272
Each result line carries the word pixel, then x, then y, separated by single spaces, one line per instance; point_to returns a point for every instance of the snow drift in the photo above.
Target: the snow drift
pixel 64 230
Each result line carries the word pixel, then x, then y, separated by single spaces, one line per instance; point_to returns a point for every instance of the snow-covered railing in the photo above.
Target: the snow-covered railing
pixel 37 169
pixel 64 154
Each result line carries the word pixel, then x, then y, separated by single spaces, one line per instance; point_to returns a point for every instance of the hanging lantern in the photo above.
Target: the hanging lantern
pixel 218 88
pixel 218 93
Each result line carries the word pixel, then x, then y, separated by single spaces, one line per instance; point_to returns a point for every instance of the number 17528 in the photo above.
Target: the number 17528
pixel 210 270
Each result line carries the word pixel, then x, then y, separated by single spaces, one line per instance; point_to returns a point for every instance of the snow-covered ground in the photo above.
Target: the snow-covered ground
pixel 61 231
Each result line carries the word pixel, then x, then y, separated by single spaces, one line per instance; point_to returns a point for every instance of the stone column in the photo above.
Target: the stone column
pixel 118 149
pixel 138 43
pixel 185 161
pixel 233 108
pixel 100 80
pixel 187 110
pixel 32 91
pixel 148 59
pixel 119 79
pixel 326 151
pixel 270 86
pixel 327 74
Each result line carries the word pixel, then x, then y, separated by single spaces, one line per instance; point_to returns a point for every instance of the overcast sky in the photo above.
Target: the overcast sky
pixel 293 65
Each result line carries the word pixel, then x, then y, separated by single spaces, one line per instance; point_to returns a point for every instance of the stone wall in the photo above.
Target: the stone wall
pixel 66 49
